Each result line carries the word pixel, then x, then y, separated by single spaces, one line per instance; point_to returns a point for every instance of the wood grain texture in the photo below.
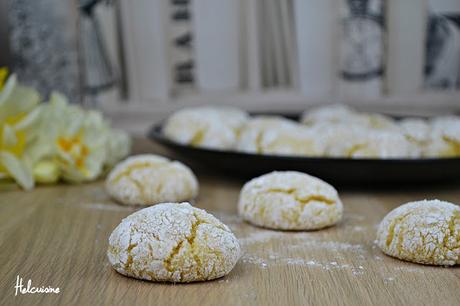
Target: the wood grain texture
pixel 57 236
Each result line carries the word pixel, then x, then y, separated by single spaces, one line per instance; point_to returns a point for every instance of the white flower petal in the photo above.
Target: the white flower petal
pixel 7 89
pixel 28 120
pixel 17 169
pixel 9 136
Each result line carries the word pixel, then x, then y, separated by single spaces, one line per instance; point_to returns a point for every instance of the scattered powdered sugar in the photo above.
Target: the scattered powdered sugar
pixel 407 269
pixel 261 236
pixel 106 206
pixel 359 229
pixel 264 249
pixel 330 245
pixel 333 265
pixel 388 280
pixel 279 260
pixel 254 260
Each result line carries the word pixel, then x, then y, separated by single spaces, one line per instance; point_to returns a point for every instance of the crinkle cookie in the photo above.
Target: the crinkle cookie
pixel 334 113
pixel 343 115
pixel 416 130
pixel 290 200
pixel 444 140
pixel 150 179
pixel 173 242
pixel 426 232
pixel 355 142
pixel 278 136
pixel 210 127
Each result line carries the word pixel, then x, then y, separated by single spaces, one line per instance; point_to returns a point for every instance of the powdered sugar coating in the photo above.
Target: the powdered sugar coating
pixel 416 130
pixel 334 113
pixel 344 115
pixel 149 179
pixel 290 200
pixel 278 136
pixel 356 142
pixel 444 139
pixel 211 127
pixel 173 242
pixel 426 232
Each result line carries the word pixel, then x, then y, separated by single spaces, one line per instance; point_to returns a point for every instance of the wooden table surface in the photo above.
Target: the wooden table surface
pixel 57 236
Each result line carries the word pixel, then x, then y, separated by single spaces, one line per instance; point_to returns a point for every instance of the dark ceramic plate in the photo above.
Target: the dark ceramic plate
pixel 334 170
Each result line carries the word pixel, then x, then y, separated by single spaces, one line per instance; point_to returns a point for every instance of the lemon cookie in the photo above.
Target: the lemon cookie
pixel 150 179
pixel 444 140
pixel 278 136
pixel 416 130
pixel 289 200
pixel 354 142
pixel 211 127
pixel 173 242
pixel 426 232
pixel 343 115
pixel 334 113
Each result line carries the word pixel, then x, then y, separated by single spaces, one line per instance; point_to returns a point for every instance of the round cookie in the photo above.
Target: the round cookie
pixel 356 142
pixel 290 200
pixel 426 232
pixel 343 115
pixel 416 130
pixel 210 127
pixel 278 136
pixel 444 140
pixel 334 113
pixel 150 179
pixel 173 242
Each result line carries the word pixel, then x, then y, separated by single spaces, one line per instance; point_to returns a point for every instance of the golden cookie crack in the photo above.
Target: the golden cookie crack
pixel 294 215
pixel 174 252
pixel 305 200
pixel 451 232
pixel 455 145
pixel 258 142
pixel 190 239
pixel 129 261
pixel 355 149
pixel 197 139
pixel 391 229
pixel 137 166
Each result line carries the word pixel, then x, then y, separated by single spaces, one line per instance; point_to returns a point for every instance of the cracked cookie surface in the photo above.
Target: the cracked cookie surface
pixel 173 242
pixel 426 232
pixel 150 179
pixel 278 136
pixel 205 126
pixel 290 200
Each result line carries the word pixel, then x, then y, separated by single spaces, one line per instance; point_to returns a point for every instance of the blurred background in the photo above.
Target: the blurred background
pixel 140 60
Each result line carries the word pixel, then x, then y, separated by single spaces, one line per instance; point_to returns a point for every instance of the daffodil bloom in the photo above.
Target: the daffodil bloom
pixel 46 172
pixel 72 138
pixel 18 119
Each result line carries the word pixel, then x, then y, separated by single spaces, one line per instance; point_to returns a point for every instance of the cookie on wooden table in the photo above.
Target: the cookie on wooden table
pixel 149 179
pixel 173 242
pixel 426 232
pixel 290 200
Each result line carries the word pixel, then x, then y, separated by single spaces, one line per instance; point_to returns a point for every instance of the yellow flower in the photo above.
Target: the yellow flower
pixel 46 172
pixel 74 139
pixel 3 76
pixel 18 118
